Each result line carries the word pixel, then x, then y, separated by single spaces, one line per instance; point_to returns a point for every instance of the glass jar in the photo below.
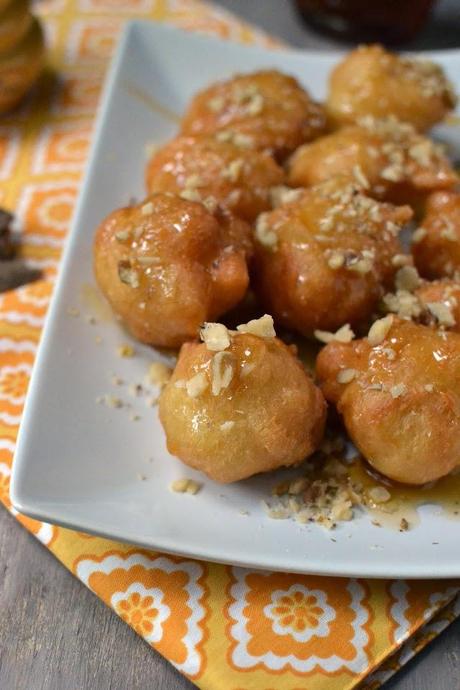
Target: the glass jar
pixel 384 21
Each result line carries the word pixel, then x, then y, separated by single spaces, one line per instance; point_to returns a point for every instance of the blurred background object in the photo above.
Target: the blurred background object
pixel 282 19
pixel 22 51
pixel 385 21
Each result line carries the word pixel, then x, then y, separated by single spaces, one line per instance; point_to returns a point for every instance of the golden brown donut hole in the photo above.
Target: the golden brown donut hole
pixel 167 265
pixel 373 81
pixel 264 413
pixel 203 168
pixel 262 110
pixel 325 259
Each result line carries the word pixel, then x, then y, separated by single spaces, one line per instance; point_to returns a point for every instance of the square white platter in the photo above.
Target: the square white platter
pixel 79 464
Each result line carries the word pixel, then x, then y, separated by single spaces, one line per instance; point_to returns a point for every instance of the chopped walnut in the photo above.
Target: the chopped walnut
pixel 398 390
pixel 281 194
pixel 442 313
pixel 125 351
pixel 264 234
pixel 346 375
pixel 360 177
pixel 215 336
pixel 127 274
pixel 193 181
pixel 336 260
pixel 122 235
pixel 185 486
pixel 233 170
pixel 196 385
pixel 403 303
pixel 379 330
pixel 262 327
pixel 159 374
pixel 343 335
pixel 418 235
pixel 407 278
pixel 403 525
pixel 399 260
pixel 190 194
pixel 222 371
pixel 217 103
pixel 147 209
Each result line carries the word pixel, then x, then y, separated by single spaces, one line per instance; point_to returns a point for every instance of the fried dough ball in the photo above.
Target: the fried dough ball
pixel 436 245
pixel 203 168
pixel 389 157
pixel 323 260
pixel 398 391
pixel 241 403
pixel 372 81
pixel 262 110
pixel 168 264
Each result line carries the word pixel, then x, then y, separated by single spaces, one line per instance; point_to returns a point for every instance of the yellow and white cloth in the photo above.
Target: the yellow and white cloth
pixel 223 627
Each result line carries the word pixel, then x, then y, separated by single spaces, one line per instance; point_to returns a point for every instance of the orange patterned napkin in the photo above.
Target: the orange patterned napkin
pixel 223 627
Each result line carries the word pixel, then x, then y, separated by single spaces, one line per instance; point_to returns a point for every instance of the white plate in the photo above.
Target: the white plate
pixel 78 463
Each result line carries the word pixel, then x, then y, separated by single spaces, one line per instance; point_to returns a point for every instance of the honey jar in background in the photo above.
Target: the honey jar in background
pixel 22 51
pixel 384 21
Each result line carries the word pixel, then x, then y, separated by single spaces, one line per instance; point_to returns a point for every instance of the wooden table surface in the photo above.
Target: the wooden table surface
pixel 56 635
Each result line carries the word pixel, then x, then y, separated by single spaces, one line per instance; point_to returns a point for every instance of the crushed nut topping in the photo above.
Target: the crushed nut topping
pixel 403 303
pixel 111 401
pixel 211 203
pixel 262 327
pixel 407 278
pixel 122 235
pixel 125 351
pixel 185 486
pixel 324 500
pixel 196 385
pixel 378 494
pixel 418 235
pixel 222 371
pixel 360 177
pixel 147 209
pixel 346 375
pixel 215 336
pixel 193 181
pixel 233 170
pixel 442 313
pixel 379 330
pixel 399 260
pixel 217 103
pixel 243 141
pixel 336 259
pixel 190 194
pixel 448 231
pixel 343 335
pixel 398 390
pixel 389 353
pixel 264 233
pixel 159 374
pixel 280 194
pixel 127 274
pixel 403 525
